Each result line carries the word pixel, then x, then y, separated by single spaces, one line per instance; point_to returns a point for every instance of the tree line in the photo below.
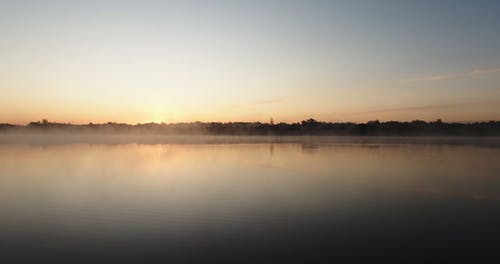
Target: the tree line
pixel 305 127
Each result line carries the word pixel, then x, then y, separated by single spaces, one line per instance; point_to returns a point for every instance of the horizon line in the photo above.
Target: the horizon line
pixel 41 121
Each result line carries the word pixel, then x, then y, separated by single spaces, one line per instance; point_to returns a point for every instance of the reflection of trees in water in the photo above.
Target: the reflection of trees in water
pixel 310 147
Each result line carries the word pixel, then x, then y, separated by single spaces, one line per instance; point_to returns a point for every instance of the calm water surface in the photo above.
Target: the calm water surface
pixel 310 201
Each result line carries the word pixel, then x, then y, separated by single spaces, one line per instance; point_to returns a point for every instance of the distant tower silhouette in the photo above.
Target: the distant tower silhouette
pixel 271 121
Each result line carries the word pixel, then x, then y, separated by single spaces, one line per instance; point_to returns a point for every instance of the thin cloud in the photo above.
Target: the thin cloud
pixel 451 75
pixel 272 101
pixel 243 106
pixel 424 108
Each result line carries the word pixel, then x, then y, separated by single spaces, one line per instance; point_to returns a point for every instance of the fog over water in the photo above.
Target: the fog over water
pixel 247 199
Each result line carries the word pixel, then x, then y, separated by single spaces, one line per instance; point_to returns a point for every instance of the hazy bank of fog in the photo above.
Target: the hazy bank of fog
pixel 306 140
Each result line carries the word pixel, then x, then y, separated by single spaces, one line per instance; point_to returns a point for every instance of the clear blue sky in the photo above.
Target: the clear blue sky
pixel 140 61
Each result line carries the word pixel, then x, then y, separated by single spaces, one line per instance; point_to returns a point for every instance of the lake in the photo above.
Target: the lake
pixel 248 199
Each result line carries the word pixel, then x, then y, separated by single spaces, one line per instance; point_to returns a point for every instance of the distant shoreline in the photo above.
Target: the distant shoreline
pixel 305 127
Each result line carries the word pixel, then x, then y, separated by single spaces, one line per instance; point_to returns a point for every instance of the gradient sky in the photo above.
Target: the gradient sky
pixel 171 61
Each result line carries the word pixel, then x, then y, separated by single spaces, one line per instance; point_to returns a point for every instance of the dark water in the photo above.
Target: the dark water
pixel 301 200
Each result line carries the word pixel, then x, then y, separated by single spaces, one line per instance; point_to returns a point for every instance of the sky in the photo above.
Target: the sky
pixel 183 61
